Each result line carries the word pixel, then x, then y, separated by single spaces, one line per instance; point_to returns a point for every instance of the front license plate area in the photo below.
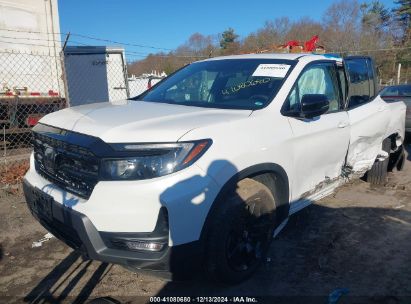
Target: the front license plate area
pixel 41 204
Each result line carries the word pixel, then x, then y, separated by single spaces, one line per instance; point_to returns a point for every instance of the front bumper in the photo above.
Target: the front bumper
pixel 133 206
pixel 77 231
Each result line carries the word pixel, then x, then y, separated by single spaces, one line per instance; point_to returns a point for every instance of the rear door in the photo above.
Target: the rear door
pixel 367 112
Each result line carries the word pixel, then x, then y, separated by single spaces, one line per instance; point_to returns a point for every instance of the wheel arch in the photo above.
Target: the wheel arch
pixel 271 175
pixel 396 140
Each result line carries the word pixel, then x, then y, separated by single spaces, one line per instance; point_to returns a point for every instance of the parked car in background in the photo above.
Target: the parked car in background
pixel 400 93
pixel 204 168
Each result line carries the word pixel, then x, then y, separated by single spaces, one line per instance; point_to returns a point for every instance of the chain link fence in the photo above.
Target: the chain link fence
pixel 399 75
pixel 33 85
pixel 30 87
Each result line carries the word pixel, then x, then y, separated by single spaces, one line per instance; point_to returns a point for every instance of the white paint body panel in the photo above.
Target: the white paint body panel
pixel 308 153
pixel 368 126
pixel 138 121
pixel 319 148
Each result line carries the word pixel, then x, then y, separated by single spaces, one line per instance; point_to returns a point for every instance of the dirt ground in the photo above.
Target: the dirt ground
pixel 358 239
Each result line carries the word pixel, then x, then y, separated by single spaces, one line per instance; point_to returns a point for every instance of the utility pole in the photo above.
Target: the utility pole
pixel 399 73
pixel 63 71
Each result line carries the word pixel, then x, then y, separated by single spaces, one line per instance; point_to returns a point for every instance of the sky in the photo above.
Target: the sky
pixel 168 24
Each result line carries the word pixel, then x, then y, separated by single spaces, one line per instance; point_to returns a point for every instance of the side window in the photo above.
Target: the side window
pixel 317 79
pixel 371 75
pixel 360 86
pixel 343 83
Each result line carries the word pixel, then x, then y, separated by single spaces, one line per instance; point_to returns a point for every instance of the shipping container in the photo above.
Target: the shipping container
pixel 95 74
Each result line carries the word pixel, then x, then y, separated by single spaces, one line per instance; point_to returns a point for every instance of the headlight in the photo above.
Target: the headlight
pixel 151 160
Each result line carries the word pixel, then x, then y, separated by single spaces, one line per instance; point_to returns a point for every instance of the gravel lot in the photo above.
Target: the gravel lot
pixel 359 239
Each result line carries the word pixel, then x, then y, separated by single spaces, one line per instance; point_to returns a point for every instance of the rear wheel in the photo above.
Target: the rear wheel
pixel 377 175
pixel 240 233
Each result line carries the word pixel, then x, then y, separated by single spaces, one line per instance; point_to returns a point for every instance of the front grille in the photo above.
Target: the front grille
pixel 72 167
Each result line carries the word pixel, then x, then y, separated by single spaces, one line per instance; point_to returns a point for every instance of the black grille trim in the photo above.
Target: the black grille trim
pixel 72 167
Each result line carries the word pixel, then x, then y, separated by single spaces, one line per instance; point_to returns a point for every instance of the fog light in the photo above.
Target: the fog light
pixel 146 246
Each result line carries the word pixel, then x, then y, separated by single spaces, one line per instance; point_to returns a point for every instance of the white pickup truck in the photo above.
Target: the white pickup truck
pixel 203 169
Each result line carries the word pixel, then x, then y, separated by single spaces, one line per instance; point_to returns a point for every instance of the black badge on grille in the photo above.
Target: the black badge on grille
pixel 49 159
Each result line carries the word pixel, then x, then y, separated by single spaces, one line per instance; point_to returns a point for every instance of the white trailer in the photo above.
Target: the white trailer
pixel 30 48
pixel 95 74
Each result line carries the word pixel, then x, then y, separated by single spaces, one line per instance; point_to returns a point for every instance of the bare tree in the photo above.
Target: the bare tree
pixel 347 27
pixel 342 24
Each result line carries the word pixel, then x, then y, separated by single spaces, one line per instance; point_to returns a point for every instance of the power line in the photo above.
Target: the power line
pixel 122 43
pixel 35 44
pixel 39 39
pixel 128 53
pixel 92 38
pixel 50 40
pixel 137 54
pixel 25 43
pixel 141 54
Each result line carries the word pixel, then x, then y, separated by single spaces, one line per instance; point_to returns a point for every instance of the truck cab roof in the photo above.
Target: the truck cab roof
pixel 284 56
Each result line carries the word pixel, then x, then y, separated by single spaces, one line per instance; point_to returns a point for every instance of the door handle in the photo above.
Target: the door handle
pixel 381 108
pixel 343 124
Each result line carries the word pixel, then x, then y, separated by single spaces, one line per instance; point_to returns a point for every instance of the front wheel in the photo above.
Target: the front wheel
pixel 240 233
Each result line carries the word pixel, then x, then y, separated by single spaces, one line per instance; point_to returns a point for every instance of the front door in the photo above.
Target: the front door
pixel 319 144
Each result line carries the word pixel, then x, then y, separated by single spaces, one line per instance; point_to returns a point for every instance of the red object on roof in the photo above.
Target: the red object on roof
pixel 307 46
pixel 311 44
pixel 292 43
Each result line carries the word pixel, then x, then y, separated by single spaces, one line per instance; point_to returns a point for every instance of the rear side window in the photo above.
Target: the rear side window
pixel 361 86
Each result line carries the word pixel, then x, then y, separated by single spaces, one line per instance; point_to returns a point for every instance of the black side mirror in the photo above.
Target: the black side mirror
pixel 313 105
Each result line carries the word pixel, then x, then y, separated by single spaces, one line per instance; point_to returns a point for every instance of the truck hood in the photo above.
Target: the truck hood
pixel 139 121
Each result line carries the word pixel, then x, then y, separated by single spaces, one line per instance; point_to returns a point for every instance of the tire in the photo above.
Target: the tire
pixel 377 175
pixel 239 233
pixel 401 161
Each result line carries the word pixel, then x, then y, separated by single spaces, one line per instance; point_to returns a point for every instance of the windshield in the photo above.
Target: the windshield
pixel 229 83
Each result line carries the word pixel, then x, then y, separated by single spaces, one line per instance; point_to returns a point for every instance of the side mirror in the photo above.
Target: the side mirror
pixel 313 105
